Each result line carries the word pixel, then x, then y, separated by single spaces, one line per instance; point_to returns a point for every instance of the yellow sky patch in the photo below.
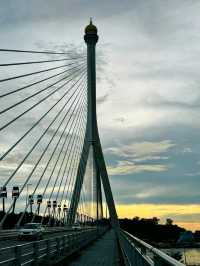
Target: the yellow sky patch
pixel 193 226
pixel 161 211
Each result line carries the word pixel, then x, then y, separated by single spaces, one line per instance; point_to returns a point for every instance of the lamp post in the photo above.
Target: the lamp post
pixel 15 196
pixel 27 192
pixel 31 202
pixel 3 195
pixel 39 202
pixel 49 208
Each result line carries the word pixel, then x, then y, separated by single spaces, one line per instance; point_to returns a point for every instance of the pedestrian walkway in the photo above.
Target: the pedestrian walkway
pixel 103 252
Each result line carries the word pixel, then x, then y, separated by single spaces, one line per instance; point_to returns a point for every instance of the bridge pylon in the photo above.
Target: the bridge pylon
pixel 92 137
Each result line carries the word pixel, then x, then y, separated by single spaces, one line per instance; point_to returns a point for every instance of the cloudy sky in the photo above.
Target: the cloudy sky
pixel 147 92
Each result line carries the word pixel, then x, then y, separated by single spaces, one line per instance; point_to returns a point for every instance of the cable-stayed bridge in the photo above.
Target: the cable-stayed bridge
pixel 53 170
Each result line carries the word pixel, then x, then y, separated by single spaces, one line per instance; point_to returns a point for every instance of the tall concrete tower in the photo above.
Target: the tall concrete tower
pixel 92 136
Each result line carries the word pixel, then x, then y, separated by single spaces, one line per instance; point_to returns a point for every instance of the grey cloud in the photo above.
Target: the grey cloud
pixel 102 99
pixel 120 119
pixel 50 10
pixel 141 149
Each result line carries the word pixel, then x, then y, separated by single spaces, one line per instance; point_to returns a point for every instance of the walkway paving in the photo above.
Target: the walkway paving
pixel 103 252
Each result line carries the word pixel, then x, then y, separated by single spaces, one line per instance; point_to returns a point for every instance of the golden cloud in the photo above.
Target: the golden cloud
pixel 127 167
pixel 140 149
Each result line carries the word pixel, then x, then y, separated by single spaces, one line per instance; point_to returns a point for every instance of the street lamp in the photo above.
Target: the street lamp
pixel 3 195
pixel 15 196
pixel 39 201
pixel 27 194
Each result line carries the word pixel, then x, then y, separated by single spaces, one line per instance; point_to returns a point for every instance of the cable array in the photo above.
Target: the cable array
pixel 46 107
pixel 43 120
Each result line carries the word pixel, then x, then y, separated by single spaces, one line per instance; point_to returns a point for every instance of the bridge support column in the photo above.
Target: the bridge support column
pixel 92 136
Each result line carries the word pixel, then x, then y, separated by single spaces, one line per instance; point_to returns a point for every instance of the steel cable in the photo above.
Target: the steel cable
pixel 38 62
pixel 52 154
pixel 57 157
pixel 34 52
pixel 67 161
pixel 37 82
pixel 36 104
pixel 43 134
pixel 34 125
pixel 78 154
pixel 40 158
pixel 64 172
pixel 35 73
pixel 74 173
pixel 37 93
pixel 54 182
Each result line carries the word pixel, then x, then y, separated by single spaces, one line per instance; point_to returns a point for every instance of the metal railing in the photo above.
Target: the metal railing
pixel 10 234
pixel 138 253
pixel 48 251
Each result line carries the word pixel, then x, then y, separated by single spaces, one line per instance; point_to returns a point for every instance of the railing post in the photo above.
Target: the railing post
pixel 69 237
pixel 158 261
pixel 58 246
pixel 36 253
pixel 48 251
pixel 143 250
pixel 18 253
pixel 63 245
pixel 82 239
pixel 132 252
pixel 67 242
pixel 75 239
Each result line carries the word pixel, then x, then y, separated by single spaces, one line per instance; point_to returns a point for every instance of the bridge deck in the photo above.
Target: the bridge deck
pixel 103 252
